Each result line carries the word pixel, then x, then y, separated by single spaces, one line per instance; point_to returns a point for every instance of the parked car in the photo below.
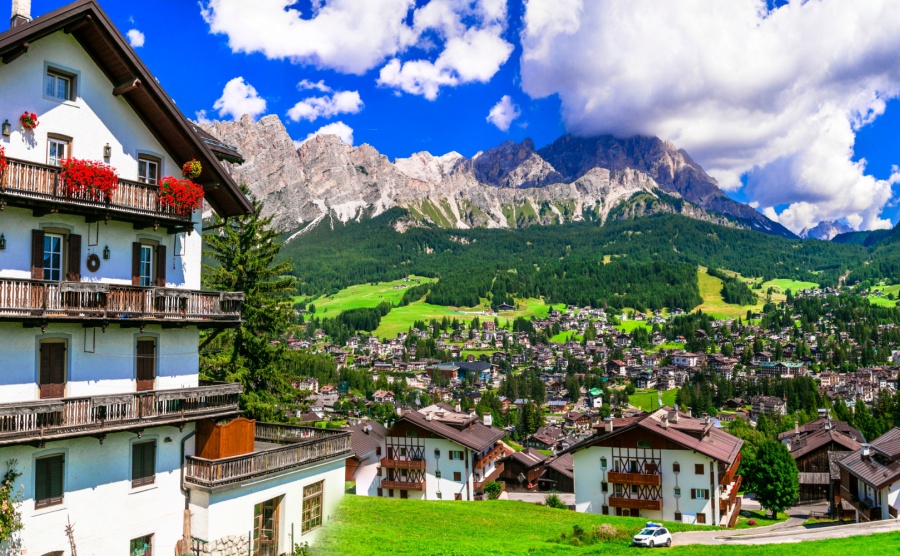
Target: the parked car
pixel 653 535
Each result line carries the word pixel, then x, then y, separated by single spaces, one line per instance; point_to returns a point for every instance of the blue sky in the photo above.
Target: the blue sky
pixel 781 124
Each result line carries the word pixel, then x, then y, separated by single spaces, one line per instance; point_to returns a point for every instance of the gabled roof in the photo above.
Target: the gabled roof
pixel 363 441
pixel 91 27
pixel 529 457
pixel 881 467
pixel 477 437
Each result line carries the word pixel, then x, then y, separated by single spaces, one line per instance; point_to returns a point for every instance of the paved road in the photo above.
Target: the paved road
pixel 789 531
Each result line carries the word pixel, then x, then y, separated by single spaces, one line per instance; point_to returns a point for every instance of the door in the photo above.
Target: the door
pixel 146 365
pixel 52 379
pixel 265 530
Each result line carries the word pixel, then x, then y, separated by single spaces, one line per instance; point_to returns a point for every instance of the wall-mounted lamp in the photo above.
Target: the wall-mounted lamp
pixel 106 253
pixel 7 128
pixel 107 151
pixel 2 243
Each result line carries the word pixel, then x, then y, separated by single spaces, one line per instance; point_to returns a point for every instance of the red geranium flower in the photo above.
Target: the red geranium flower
pixel 88 179
pixel 182 196
pixel 29 120
pixel 2 160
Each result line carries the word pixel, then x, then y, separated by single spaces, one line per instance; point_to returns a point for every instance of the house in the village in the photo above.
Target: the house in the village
pixel 870 478
pixel 363 467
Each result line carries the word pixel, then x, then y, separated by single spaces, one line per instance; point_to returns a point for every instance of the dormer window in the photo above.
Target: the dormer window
pixel 59 85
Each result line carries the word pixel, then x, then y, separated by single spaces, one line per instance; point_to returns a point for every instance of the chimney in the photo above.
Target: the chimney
pixel 21 13
pixel 428 416
pixel 458 408
pixel 488 419
pixel 864 451
pixel 823 413
pixel 673 416
pixel 608 424
pixel 665 421
pixel 796 426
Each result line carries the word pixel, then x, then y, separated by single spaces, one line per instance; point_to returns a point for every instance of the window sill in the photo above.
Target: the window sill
pixel 145 488
pixel 49 510
pixel 72 103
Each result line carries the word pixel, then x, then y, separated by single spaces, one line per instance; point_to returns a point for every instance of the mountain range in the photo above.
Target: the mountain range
pixel 511 185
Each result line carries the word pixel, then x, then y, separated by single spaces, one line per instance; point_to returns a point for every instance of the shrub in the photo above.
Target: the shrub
pixel 493 490
pixel 554 501
pixel 606 532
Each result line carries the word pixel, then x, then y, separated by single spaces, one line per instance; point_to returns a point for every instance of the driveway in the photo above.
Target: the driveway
pixel 790 531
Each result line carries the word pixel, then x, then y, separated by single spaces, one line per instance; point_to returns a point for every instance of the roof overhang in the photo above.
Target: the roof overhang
pixel 85 21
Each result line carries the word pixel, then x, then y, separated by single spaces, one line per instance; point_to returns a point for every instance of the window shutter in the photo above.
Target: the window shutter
pixel 74 258
pixel 161 266
pixel 37 254
pixel 693 494
pixel 150 461
pixel 135 264
pixel 57 363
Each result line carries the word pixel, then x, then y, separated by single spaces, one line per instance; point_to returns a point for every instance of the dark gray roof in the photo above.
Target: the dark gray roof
pixel 564 463
pixel 363 443
pixel 881 467
pixel 529 457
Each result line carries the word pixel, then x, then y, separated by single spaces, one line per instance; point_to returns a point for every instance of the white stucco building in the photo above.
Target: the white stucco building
pixel 101 408
pixel 661 465
pixel 438 453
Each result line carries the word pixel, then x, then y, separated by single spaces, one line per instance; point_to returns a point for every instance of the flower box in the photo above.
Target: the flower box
pixel 29 120
pixel 183 196
pixel 88 179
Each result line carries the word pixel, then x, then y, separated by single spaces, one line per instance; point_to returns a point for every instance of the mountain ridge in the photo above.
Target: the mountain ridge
pixel 509 186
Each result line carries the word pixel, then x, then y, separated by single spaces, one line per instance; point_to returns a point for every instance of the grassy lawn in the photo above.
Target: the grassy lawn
pixel 713 304
pixel 782 285
pixel 646 399
pixel 368 525
pixel 884 301
pixel 632 325
pixel 761 518
pixel 565 336
pixel 363 295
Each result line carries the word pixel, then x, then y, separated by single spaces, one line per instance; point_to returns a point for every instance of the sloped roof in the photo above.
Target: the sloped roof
pixel 563 463
pixel 91 27
pixel 881 468
pixel 364 443
pixel 477 437
pixel 529 457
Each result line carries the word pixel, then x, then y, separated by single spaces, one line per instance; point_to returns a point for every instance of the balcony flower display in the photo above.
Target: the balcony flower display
pixel 2 161
pixel 29 120
pixel 88 179
pixel 191 169
pixel 183 196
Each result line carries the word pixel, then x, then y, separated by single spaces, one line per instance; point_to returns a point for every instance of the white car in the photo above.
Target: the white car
pixel 652 536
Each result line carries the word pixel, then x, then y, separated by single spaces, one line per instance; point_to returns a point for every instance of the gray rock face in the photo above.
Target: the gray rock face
pixel 507 186
pixel 825 230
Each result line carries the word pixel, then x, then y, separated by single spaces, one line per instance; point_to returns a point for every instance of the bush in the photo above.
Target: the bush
pixel 554 501
pixel 607 532
pixel 493 490
pixel 600 533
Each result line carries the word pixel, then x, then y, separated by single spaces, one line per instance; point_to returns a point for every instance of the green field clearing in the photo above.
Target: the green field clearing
pixel 646 399
pixel 713 304
pixel 366 525
pixel 884 301
pixel 782 285
pixel 565 335
pixel 632 325
pixel 363 295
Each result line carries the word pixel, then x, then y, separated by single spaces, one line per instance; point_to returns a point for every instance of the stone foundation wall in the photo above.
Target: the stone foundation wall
pixel 232 545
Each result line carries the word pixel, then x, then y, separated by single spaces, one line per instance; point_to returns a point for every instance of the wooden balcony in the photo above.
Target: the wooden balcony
pixel 496 452
pixel 416 464
pixel 493 476
pixel 52 419
pixel 636 503
pixel 404 485
pixel 302 446
pixel 39 301
pixel 865 507
pixel 38 187
pixel 645 479
pixel 728 476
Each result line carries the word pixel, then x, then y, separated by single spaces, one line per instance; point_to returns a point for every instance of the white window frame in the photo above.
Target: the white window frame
pixel 67 145
pixel 48 271
pixel 60 72
pixel 150 178
pixel 146 265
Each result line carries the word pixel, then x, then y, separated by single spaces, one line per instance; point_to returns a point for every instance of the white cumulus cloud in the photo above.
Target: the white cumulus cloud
pixel 239 98
pixel 135 38
pixel 774 94
pixel 456 41
pixel 313 108
pixel 319 85
pixel 340 129
pixel 503 113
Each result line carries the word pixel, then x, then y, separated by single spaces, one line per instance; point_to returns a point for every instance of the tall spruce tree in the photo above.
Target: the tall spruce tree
pixel 244 251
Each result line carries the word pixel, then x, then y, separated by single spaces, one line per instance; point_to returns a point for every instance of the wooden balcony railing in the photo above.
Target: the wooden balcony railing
pixel 84 301
pixel 493 476
pixel 67 417
pixel 404 485
pixel 316 445
pixel 735 513
pixel 635 503
pixel 496 452
pixel 417 464
pixel 31 184
pixel 728 476
pixel 646 479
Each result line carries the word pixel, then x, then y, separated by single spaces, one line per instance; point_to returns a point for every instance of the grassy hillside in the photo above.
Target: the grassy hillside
pixel 367 525
pixel 713 304
pixel 648 400
pixel 364 295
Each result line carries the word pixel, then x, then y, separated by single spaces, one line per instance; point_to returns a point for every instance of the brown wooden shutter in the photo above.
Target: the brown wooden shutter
pixel 693 494
pixel 161 266
pixel 52 374
pixel 146 364
pixel 74 259
pixel 37 254
pixel 135 264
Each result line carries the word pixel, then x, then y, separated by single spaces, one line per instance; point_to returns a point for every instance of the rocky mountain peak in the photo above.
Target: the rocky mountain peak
pixel 825 230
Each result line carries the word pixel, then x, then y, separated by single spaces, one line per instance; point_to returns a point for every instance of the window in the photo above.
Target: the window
pixel 380 492
pixel 677 516
pixel 48 481
pixel 141 546
pixel 700 493
pixel 643 443
pixel 57 151
pixel 53 257
pixel 456 455
pixel 146 364
pixel 602 463
pixel 312 506
pixel 698 468
pixel 677 492
pixel 59 85
pixel 457 476
pixel 148 170
pixel 143 463
pixel 52 371
pixel 604 487
pixel 437 453
pixel 604 510
pixel 146 274
pixel 378 451
pixel 266 518
pixel 701 519
pixel 437 474
pixel 676 467
pixel 404 494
